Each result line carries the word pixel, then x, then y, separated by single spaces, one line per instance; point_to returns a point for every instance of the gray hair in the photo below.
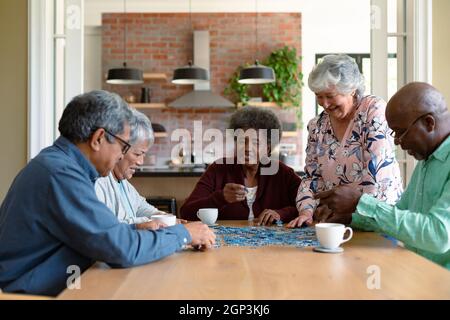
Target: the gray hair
pixel 141 128
pixel 340 71
pixel 87 112
pixel 255 118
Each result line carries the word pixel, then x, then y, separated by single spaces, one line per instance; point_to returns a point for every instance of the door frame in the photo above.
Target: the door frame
pixel 414 53
pixel 55 66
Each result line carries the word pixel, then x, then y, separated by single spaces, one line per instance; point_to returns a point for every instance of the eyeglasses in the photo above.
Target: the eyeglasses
pixel 126 145
pixel 399 138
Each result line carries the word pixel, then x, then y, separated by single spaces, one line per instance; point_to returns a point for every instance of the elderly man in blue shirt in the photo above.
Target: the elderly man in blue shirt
pixel 51 219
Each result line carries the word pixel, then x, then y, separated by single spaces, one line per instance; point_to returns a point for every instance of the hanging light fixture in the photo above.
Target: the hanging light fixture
pixel 256 73
pixel 190 74
pixel 125 75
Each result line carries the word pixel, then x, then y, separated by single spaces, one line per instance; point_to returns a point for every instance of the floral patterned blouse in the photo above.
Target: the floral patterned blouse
pixel 365 158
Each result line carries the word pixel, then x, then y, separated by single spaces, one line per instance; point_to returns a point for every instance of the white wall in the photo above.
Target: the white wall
pixel 441 47
pixel 328 26
pixel 92 58
pixel 13 90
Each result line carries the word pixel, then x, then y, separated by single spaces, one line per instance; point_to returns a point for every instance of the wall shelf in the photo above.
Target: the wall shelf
pixel 264 104
pixel 148 105
pixel 289 134
pixel 154 76
pixel 149 76
pixel 160 134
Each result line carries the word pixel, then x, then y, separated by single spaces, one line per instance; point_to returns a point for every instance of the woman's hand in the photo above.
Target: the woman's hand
pixel 305 216
pixel 150 225
pixel 233 192
pixel 267 217
pixel 181 221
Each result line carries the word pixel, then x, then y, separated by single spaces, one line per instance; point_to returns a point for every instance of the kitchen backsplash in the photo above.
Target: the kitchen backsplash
pixel 173 119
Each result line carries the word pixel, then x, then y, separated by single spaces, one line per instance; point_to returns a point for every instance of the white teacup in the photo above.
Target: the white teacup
pixel 331 235
pixel 208 215
pixel 167 219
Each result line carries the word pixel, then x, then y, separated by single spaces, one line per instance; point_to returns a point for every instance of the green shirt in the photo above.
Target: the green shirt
pixel 421 218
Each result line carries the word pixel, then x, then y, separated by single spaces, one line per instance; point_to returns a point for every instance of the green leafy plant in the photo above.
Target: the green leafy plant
pixel 237 91
pixel 286 90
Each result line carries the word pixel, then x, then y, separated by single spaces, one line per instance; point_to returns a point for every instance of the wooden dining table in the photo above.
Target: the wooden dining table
pixel 371 267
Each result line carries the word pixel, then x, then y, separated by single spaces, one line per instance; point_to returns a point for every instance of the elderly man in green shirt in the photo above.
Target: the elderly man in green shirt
pixel 420 123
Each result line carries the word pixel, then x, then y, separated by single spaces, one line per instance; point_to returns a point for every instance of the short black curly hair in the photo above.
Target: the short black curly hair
pixel 255 118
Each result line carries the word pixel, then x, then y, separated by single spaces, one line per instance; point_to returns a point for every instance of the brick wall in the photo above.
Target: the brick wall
pixel 161 42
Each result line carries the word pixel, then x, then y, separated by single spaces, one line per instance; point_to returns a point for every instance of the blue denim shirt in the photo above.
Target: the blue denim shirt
pixel 51 219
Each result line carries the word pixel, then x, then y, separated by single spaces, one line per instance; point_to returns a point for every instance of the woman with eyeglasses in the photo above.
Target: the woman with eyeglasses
pixel 349 143
pixel 116 192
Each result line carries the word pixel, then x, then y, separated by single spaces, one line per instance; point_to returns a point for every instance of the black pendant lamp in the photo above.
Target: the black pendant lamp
pixel 256 73
pixel 125 75
pixel 190 74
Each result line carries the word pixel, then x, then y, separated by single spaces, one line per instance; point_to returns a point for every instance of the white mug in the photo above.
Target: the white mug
pixel 331 235
pixel 167 219
pixel 208 215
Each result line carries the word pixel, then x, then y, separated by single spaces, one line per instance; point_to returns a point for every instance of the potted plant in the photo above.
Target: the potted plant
pixel 285 91
pixel 237 91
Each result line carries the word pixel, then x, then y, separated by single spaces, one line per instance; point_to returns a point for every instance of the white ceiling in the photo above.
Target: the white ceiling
pixel 94 8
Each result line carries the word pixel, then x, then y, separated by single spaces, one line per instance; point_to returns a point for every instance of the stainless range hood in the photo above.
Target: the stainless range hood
pixel 201 96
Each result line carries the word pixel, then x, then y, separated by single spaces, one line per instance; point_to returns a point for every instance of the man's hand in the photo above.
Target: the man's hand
pixel 202 236
pixel 267 217
pixel 322 214
pixel 233 192
pixel 150 225
pixel 342 201
pixel 304 217
pixel 339 218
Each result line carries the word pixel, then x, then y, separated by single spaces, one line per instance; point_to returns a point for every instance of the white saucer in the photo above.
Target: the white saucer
pixel 325 250
pixel 213 225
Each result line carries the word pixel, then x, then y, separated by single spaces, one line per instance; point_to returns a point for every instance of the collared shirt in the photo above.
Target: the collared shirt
pixel 421 218
pixel 124 200
pixel 51 220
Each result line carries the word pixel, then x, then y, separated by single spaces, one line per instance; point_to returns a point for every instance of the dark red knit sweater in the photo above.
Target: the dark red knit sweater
pixel 276 192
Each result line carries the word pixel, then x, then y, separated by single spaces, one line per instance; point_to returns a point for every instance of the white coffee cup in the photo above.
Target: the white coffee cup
pixel 167 219
pixel 331 235
pixel 208 215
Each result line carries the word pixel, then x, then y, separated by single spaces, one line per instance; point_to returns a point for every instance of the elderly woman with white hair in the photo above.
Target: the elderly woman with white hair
pixel 116 192
pixel 349 142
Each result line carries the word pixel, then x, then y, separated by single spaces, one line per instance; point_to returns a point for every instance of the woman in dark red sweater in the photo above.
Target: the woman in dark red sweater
pixel 250 185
